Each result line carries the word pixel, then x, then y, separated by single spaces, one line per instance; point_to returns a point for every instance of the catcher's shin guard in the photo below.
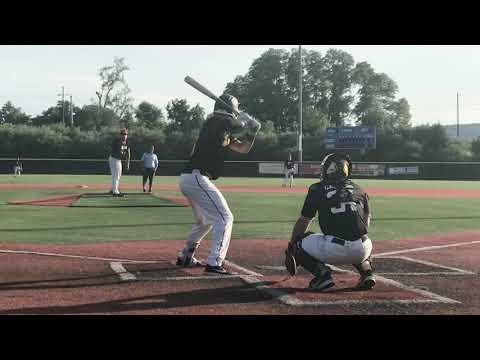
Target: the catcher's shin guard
pixel 308 262
pixel 365 267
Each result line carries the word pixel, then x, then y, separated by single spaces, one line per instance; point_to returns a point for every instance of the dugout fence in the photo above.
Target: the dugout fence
pixel 378 170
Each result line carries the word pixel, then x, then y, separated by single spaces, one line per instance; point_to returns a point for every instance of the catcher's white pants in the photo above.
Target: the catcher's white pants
pixel 211 211
pixel 116 170
pixel 323 249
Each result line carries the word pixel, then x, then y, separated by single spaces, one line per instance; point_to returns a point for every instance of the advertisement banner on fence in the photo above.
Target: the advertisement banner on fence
pixel 310 169
pixel 403 170
pixel 368 170
pixel 273 168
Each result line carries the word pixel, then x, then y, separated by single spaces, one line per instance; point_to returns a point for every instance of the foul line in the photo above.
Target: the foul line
pixel 77 256
pixel 423 262
pixel 425 248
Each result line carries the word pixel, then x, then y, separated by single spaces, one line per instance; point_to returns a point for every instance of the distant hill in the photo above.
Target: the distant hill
pixel 467 131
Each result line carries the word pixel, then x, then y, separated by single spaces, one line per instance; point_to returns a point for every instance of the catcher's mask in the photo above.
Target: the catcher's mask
pixel 336 167
pixel 229 99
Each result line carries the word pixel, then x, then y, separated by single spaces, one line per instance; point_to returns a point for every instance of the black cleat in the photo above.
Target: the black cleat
pixel 216 270
pixel 187 261
pixel 367 282
pixel 320 283
pixel 118 195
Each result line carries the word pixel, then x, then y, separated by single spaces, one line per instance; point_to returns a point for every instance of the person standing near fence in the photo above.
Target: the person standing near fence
pixel 120 150
pixel 18 168
pixel 289 170
pixel 150 165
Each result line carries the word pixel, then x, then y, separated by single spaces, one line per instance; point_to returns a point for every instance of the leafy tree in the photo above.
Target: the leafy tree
pixel 149 115
pixel 263 91
pixel 376 105
pixel 400 113
pixel 339 66
pixel 9 114
pixel 54 115
pixel 113 92
pixel 475 148
pixel 87 118
pixel 184 119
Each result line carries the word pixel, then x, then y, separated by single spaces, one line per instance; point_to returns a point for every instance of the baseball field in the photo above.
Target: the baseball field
pixel 66 247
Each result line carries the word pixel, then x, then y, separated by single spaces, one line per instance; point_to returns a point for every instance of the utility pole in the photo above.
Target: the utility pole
pixel 300 75
pixel 458 119
pixel 63 104
pixel 71 111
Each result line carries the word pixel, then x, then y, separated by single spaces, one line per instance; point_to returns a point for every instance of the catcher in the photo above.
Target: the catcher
pixel 344 217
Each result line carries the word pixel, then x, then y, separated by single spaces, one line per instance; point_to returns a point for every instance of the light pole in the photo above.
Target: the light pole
pixel 63 104
pixel 300 133
pixel 458 118
pixel 71 111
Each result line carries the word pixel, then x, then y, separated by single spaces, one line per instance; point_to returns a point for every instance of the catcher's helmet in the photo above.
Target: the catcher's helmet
pixel 229 99
pixel 336 167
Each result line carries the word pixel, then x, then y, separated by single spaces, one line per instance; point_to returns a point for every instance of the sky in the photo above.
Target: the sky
pixel 428 76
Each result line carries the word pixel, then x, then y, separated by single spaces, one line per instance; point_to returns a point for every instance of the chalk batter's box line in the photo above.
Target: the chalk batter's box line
pixel 286 299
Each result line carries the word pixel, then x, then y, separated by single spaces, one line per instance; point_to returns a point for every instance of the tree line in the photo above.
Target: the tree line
pixel 336 91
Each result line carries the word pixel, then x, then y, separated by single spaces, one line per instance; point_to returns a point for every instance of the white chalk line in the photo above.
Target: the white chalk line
pixel 425 248
pixel 463 272
pixel 122 272
pixel 78 256
pixel 240 268
pixel 428 263
pixel 202 277
pixel 433 298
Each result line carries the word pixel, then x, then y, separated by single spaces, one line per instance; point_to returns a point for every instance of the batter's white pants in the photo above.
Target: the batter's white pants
pixel 211 211
pixel 323 249
pixel 116 170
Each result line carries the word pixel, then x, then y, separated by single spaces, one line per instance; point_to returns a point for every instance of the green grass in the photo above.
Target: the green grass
pixel 257 215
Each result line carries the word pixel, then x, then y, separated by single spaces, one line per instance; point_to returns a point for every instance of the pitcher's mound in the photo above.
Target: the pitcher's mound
pixel 65 200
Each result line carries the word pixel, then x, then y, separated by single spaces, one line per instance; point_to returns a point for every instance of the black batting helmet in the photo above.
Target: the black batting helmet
pixel 229 99
pixel 336 167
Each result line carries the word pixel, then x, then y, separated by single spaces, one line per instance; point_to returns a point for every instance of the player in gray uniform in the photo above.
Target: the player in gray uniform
pixel 222 131
pixel 289 170
pixel 119 151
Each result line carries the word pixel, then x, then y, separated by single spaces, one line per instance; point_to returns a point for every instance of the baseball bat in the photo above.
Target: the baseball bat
pixel 195 84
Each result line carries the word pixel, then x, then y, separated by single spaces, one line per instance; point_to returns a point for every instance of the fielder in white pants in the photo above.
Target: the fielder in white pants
pixel 211 211
pixel 120 149
pixel 116 171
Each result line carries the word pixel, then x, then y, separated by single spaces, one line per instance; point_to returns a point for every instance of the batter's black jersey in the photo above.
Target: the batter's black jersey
pixel 342 209
pixel 119 149
pixel 210 150
pixel 289 164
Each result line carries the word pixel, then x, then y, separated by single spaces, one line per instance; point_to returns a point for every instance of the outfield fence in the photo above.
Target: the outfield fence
pixel 376 170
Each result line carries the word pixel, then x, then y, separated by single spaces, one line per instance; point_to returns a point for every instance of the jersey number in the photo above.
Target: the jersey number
pixel 343 207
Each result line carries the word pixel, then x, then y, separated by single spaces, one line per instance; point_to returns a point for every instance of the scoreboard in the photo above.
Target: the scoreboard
pixel 351 137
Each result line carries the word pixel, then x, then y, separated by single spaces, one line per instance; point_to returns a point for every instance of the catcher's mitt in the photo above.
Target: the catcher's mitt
pixel 290 262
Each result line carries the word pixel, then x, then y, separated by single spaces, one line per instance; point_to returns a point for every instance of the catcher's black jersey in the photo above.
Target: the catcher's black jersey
pixel 210 150
pixel 119 149
pixel 289 164
pixel 342 209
